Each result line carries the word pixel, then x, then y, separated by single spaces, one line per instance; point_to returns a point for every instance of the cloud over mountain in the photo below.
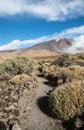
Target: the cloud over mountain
pixel 16 44
pixel 51 10
pixel 77 46
pixel 76 33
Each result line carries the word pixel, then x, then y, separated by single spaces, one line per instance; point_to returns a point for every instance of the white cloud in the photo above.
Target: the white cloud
pixel 16 44
pixel 51 10
pixel 72 32
pixel 10 46
pixel 79 41
pixel 76 33
pixel 78 45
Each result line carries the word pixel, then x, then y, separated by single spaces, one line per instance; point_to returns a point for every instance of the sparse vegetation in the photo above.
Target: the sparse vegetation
pixel 20 79
pixel 67 73
pixel 24 80
pixel 63 70
pixel 69 60
pixel 70 74
pixel 19 75
pixel 15 66
pixel 67 100
pixel 16 78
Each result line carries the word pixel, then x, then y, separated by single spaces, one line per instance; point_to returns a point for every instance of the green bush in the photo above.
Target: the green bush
pixel 67 101
pixel 63 75
pixel 59 68
pixel 23 80
pixel 15 66
pixel 70 74
pixel 20 79
pixel 50 72
pixel 68 60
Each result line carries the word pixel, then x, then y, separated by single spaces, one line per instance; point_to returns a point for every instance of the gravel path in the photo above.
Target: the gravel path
pixel 34 113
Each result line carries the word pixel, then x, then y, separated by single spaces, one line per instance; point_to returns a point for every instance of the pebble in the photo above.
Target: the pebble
pixel 16 127
pixel 9 97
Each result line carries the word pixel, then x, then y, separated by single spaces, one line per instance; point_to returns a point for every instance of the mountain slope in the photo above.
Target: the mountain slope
pixel 45 49
pixel 53 45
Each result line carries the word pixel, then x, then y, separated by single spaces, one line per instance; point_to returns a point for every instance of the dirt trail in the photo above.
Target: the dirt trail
pixel 34 113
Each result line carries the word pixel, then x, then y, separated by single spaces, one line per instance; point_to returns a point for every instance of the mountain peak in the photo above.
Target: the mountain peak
pixel 48 48
pixel 55 45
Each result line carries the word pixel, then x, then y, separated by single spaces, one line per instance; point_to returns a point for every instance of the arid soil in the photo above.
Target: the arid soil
pixel 34 112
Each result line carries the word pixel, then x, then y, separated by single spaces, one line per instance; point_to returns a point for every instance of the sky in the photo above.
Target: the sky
pixel 24 23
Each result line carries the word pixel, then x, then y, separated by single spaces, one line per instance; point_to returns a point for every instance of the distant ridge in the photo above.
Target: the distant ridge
pixel 45 49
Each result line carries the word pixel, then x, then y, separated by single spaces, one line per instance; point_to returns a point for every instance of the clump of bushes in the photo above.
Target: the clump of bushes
pixel 50 72
pixel 17 77
pixel 67 101
pixel 20 79
pixel 23 80
pixel 64 74
pixel 52 67
pixel 15 66
pixel 70 74
pixel 42 66
pixel 66 60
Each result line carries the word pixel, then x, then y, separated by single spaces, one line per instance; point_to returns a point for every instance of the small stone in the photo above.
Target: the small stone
pixel 15 97
pixel 16 127
pixel 6 97
pixel 78 123
pixel 15 104
pixel 4 115
pixel 10 108
pixel 12 117
pixel 28 108
pixel 0 89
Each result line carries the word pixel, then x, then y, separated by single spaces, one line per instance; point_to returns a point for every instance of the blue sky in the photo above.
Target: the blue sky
pixel 28 22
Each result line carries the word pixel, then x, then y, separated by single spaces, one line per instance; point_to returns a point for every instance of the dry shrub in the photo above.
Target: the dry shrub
pixel 66 60
pixel 64 68
pixel 20 79
pixel 50 72
pixel 42 66
pixel 70 74
pixel 63 75
pixel 17 65
pixel 67 101
pixel 25 80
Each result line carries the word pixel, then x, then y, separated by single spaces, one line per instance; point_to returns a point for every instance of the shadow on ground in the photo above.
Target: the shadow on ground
pixel 2 126
pixel 44 106
pixel 68 125
pixel 51 83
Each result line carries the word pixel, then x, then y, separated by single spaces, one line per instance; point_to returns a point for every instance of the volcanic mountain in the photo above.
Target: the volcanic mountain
pixel 49 48
pixel 55 45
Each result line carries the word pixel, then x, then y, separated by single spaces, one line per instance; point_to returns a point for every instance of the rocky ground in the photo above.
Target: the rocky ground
pixel 33 110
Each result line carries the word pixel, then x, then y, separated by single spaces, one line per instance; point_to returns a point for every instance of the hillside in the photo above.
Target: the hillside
pixel 55 45
pixel 45 49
